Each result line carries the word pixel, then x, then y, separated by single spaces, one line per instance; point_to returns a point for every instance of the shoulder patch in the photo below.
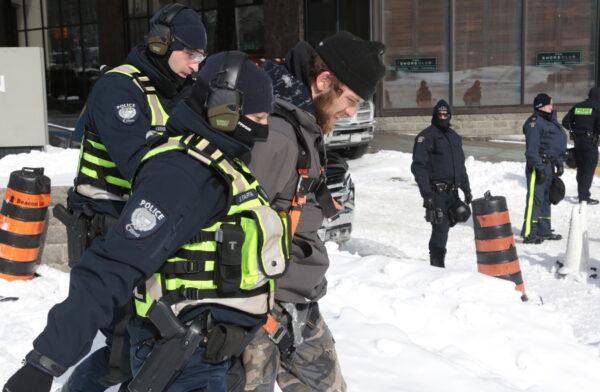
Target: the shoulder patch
pixel 143 219
pixel 127 113
pixel 420 139
pixel 532 124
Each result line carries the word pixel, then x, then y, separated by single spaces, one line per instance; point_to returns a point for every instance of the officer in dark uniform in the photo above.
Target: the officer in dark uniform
pixel 439 169
pixel 196 228
pixel 126 104
pixel 546 144
pixel 583 121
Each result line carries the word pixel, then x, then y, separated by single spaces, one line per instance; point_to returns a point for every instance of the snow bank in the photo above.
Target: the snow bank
pixel 401 325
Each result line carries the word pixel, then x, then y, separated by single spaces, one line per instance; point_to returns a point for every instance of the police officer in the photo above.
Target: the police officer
pixel 439 169
pixel 196 228
pixel 126 103
pixel 546 145
pixel 314 88
pixel 583 122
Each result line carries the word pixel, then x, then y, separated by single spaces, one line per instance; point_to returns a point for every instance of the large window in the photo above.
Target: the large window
pixel 326 17
pixel 486 53
pixel 561 49
pixel 67 32
pixel 487 59
pixel 417 56
pixel 247 34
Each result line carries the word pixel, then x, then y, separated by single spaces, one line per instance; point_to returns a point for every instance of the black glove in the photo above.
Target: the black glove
pixel 28 379
pixel 468 197
pixel 560 169
pixel 428 202
pixel 540 176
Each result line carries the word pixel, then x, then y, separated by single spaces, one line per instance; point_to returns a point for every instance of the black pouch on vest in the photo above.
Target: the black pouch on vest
pixel 225 341
pixel 228 272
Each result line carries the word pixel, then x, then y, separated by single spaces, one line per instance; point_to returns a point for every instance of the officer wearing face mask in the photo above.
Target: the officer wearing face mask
pixel 546 144
pixel 127 103
pixel 439 169
pixel 197 241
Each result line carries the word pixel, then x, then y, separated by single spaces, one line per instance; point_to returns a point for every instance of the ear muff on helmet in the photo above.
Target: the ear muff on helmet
pixel 224 102
pixel 160 36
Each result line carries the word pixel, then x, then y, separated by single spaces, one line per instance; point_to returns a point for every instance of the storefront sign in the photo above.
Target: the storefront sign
pixel 415 65
pixel 562 58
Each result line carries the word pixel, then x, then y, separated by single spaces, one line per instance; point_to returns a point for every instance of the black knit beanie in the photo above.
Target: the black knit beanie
pixel 355 62
pixel 254 83
pixel 186 26
pixel 541 100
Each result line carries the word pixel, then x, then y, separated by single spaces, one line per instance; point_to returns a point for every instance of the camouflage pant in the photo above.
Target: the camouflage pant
pixel 313 366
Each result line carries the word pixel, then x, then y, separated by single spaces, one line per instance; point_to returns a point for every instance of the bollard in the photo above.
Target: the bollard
pixel 22 223
pixel 495 242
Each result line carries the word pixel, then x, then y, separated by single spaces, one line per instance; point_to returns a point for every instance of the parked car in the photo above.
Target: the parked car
pixel 351 136
pixel 342 189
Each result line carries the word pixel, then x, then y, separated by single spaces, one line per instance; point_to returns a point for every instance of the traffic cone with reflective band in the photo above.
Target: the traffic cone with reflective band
pixel 22 223
pixel 495 242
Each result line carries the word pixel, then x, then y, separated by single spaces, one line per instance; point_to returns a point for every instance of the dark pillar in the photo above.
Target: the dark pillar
pixel 8 24
pixel 284 25
pixel 226 34
pixel 111 32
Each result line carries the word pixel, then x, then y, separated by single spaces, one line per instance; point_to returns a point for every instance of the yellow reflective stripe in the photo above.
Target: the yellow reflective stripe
pixel 125 69
pixel 174 284
pixel 530 204
pixel 118 181
pixel 171 144
pixel 207 246
pixel 96 145
pixel 98 161
pixel 238 182
pixel 158 114
pixel 209 266
pixel 89 172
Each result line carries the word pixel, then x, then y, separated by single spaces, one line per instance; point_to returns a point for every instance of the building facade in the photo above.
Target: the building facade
pixel 488 58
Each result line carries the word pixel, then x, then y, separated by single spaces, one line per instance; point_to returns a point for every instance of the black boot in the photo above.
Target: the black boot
pixel 437 257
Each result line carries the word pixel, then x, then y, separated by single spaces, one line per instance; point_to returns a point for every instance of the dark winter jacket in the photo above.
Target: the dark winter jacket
pixel 543 137
pixel 274 165
pixel 125 141
pixel 438 157
pixel 187 193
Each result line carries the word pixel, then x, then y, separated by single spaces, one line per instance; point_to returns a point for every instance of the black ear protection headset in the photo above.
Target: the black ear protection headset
pixel 161 33
pixel 224 101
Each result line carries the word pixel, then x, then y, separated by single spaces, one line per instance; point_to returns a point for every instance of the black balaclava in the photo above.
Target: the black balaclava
pixel 441 107
pixel 257 92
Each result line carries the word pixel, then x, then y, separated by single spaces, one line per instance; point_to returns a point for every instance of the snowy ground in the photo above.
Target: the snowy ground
pixel 401 325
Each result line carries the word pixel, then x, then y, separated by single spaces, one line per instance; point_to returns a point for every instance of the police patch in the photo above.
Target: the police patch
pixel 127 113
pixel 420 139
pixel 144 220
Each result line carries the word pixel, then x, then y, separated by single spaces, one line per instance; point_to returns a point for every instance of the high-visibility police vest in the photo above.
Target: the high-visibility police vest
pixel 233 261
pixel 96 168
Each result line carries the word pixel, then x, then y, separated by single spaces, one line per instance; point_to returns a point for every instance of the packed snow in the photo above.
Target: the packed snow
pixel 399 324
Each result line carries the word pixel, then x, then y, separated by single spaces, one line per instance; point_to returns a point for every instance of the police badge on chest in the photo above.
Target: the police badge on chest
pixel 144 220
pixel 127 113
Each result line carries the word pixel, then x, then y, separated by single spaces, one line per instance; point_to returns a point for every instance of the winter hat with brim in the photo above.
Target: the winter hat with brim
pixel 541 100
pixel 188 31
pixel 355 62
pixel 254 83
